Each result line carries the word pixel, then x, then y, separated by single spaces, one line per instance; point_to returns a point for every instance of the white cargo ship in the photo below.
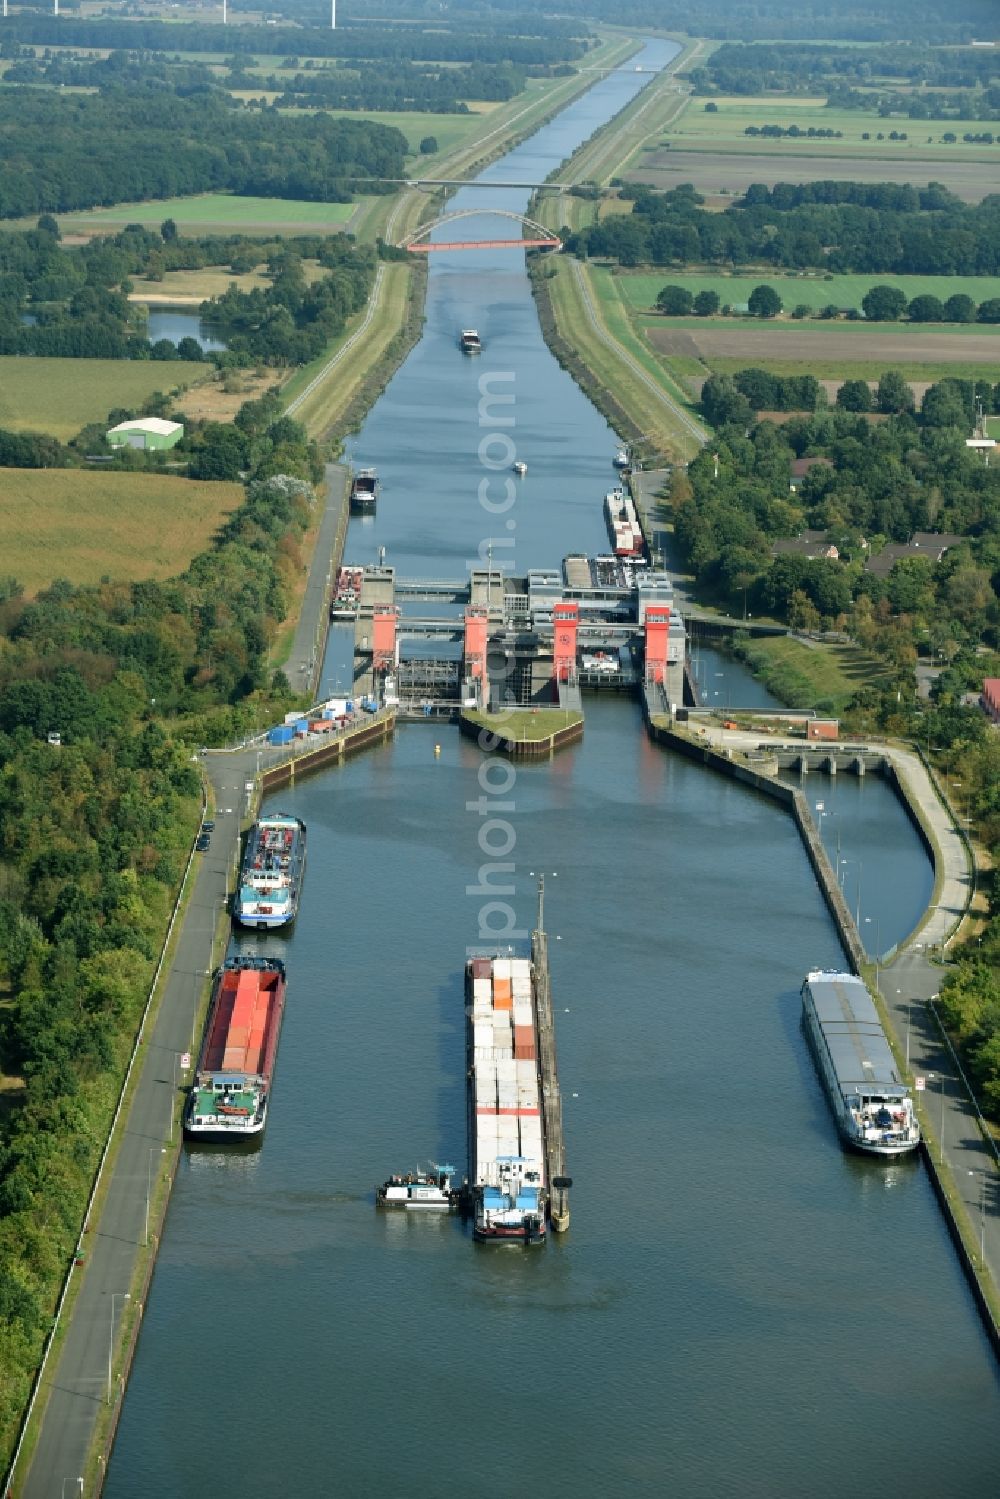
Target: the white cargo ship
pixel 506 1128
pixel 624 530
pixel 470 342
pixel 871 1103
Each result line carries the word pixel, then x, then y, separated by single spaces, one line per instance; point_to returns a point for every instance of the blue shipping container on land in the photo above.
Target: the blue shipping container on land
pixel 301 726
pixel 283 734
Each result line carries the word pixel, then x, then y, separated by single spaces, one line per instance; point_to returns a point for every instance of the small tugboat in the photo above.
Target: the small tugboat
pixel 470 342
pixel 520 468
pixel 420 1189
pixel 621 458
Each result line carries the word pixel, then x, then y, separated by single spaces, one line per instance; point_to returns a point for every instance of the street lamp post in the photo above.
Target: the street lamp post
pixel 982 1213
pixel 115 1296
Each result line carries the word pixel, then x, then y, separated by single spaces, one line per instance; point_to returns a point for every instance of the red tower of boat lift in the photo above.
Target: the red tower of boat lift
pixel 476 632
pixel 565 623
pixel 657 625
pixel 385 640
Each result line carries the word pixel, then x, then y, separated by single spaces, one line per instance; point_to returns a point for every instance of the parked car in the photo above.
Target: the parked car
pixel 204 842
pixel 208 826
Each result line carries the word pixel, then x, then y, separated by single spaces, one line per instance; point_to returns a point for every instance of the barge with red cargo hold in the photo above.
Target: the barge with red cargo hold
pixel 232 1086
pixel 507 1156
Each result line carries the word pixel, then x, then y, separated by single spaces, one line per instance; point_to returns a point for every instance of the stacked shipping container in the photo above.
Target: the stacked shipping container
pixel 506 1096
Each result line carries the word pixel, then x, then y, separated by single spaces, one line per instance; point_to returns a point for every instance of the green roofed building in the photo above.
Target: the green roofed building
pixel 146 433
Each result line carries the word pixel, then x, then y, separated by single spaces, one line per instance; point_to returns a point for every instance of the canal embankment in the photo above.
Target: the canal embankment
pixel 523 733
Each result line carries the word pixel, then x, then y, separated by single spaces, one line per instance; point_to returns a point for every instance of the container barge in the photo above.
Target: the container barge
pixel 624 530
pixel 271 877
pixel 364 492
pixel 507 1187
pixel 871 1104
pixel 232 1084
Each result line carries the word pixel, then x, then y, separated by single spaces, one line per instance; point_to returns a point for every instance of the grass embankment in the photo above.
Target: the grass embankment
pixel 591 338
pixel 813 675
pixel 582 317
pixel 86 525
pixel 524 725
pixel 60 396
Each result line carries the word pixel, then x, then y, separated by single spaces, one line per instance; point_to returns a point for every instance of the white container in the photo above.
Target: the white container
pixel 520 968
pixel 527 1096
pixel 523 1014
pixel 507 1096
pixel 527 1072
pixel 506 1069
pixel 520 990
pixel 501 968
pixel 482 1033
pixel 482 989
pixel 484 1061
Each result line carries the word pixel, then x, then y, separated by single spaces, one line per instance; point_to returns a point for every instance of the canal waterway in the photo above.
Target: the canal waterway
pixel 739 1308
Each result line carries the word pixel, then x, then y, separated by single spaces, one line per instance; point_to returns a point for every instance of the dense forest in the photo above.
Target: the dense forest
pixel 60 152
pixel 804 228
pixel 77 298
pixel 533 40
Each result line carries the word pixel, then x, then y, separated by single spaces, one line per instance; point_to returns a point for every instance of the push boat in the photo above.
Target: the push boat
pixel 621 458
pixel 364 491
pixel 470 342
pixel 271 877
pixel 506 1124
pixel 347 593
pixel 229 1098
pixel 871 1104
pixel 420 1189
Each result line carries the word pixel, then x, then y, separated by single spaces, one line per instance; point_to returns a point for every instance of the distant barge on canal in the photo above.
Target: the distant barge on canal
pixel 871 1103
pixel 232 1085
pixel 507 1162
pixel 273 868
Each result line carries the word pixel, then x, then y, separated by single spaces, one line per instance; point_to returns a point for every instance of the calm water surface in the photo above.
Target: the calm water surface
pixel 739 1308
pixel 164 323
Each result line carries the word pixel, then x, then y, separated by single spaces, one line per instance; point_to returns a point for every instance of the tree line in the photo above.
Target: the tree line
pixel 672 228
pixel 69 151
pixel 880 304
pixel 384 85
pixel 795 67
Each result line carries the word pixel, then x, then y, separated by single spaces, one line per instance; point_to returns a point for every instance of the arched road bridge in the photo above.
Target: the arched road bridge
pixel 533 235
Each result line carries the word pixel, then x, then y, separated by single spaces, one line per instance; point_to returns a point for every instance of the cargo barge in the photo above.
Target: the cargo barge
pixel 364 492
pixel 232 1084
pixel 271 877
pixel 624 530
pixel 871 1104
pixel 507 1160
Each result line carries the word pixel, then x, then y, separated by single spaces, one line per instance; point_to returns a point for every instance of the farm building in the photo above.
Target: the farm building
pixel 147 433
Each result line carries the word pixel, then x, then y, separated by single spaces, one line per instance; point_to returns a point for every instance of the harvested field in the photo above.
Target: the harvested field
pixel 823 348
pixel 59 396
pixel 219 399
pixel 732 172
pixel 81 525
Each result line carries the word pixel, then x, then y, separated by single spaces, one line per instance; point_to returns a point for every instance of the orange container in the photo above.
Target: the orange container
pixel 524 1053
pixel 501 994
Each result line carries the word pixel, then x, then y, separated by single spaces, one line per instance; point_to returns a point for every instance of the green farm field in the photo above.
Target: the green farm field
pixel 697 129
pixel 206 213
pixel 815 292
pixel 59 396
pixel 83 526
